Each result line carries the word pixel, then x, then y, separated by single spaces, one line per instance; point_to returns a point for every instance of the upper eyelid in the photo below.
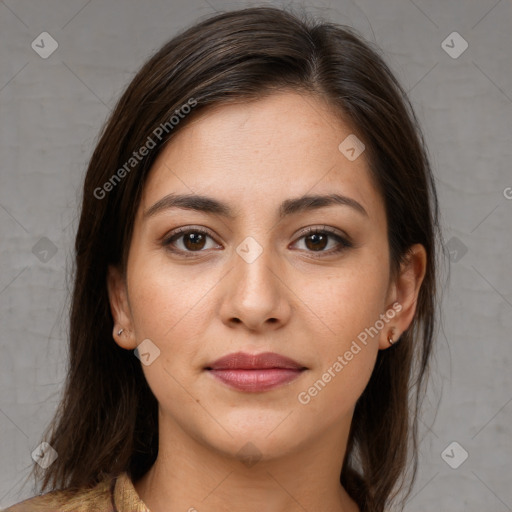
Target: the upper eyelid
pixel 188 229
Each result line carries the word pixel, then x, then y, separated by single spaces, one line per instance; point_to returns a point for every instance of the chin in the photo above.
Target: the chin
pixel 252 435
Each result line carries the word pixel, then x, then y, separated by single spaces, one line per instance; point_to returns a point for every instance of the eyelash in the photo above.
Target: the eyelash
pixel 344 244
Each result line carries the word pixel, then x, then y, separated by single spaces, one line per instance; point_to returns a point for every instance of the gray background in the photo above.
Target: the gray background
pixel 51 113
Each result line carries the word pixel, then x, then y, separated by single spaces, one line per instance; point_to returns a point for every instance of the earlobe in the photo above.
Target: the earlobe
pixel 406 291
pixel 117 293
pixel 390 338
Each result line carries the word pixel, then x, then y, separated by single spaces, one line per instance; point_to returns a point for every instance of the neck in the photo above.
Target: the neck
pixel 190 476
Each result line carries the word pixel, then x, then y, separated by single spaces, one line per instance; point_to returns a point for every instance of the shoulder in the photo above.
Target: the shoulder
pixel 96 499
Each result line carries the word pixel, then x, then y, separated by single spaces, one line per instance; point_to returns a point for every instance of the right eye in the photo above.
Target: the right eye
pixel 192 240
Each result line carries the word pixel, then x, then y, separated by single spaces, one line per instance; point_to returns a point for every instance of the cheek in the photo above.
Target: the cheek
pixel 346 303
pixel 170 307
pixel 165 307
pixel 345 356
pixel 332 392
pixel 349 307
pixel 165 300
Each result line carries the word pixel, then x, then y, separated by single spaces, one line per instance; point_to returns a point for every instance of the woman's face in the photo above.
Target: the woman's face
pixel 254 281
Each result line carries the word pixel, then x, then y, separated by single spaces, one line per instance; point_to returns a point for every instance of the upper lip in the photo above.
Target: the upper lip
pixel 263 361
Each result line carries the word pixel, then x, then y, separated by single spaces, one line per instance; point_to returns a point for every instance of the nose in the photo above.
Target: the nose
pixel 255 293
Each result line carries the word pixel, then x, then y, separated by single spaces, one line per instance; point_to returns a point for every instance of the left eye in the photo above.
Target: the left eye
pixel 194 240
pixel 317 239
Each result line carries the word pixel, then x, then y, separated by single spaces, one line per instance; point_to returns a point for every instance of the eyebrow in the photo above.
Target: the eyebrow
pixel 288 207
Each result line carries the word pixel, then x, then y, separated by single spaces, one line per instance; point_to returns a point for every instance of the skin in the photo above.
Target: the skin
pixel 290 300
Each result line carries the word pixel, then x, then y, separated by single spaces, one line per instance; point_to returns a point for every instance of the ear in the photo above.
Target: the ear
pixel 403 294
pixel 120 308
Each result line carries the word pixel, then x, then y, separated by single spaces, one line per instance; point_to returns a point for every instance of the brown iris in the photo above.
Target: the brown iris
pixel 194 241
pixel 319 241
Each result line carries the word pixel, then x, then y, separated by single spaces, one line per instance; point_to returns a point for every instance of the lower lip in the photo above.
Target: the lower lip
pixel 256 380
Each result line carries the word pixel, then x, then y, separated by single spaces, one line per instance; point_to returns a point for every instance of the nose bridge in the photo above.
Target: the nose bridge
pixel 253 269
pixel 255 292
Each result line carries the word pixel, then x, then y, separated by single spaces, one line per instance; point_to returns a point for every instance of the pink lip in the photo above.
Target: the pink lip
pixel 254 373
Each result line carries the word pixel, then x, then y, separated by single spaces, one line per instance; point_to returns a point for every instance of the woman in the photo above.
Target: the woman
pixel 255 286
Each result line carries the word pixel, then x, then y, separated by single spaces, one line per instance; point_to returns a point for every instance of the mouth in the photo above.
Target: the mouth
pixel 255 373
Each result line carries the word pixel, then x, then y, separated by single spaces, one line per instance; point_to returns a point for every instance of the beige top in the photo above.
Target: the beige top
pixel 112 495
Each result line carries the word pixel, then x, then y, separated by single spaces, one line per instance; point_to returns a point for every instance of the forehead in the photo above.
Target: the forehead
pixel 260 153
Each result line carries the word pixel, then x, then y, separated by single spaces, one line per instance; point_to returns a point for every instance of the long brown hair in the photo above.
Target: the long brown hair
pixel 107 420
